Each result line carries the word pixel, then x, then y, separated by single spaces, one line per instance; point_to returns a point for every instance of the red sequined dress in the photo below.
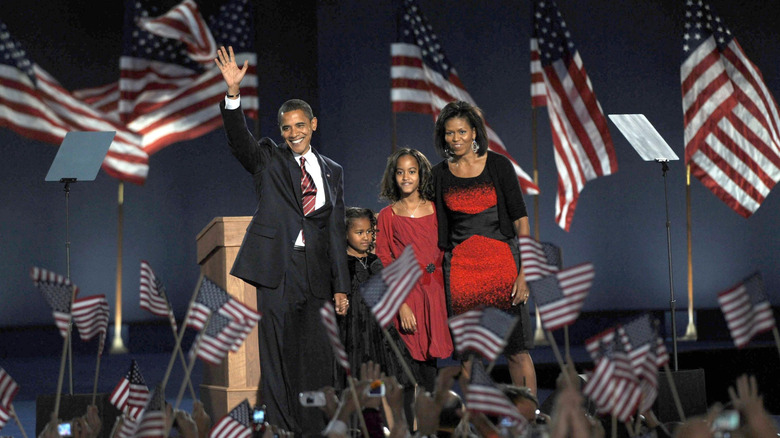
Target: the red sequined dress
pixel 482 268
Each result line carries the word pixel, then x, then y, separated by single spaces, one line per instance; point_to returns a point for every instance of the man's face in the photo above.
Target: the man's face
pixel 296 130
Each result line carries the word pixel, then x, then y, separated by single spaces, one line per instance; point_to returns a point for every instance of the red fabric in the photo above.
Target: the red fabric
pixel 426 299
pixel 482 274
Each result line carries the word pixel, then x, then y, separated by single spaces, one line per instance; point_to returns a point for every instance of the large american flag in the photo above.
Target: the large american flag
pixel 581 140
pixel 539 259
pixel 483 395
pixel 151 423
pixel 59 292
pixel 236 424
pixel 90 314
pixel 169 88
pixel 385 293
pixel 131 393
pixel 8 389
pixel 747 309
pixel 731 119
pixel 424 80
pixel 152 294
pixel 328 315
pixel 559 297
pixel 484 331
pixel 35 105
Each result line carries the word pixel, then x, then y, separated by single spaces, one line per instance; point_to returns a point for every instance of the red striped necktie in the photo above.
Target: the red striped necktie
pixel 308 189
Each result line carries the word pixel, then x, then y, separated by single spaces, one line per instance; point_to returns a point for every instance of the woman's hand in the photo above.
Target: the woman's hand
pixel 408 320
pixel 520 291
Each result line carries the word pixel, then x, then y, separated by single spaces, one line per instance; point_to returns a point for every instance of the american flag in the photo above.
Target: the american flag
pixel 747 309
pixel 612 385
pixel 559 297
pixel 168 92
pixel 222 334
pixel 212 298
pixel 328 315
pixel 646 352
pixel 91 317
pixel 593 344
pixel 385 293
pixel 59 292
pixel 482 395
pixel 731 119
pixel 131 393
pixel 5 415
pixel 151 423
pixel 236 424
pixel 35 105
pixel 127 428
pixel 484 331
pixel 8 389
pixel 424 80
pixel 581 140
pixel 539 259
pixel 153 296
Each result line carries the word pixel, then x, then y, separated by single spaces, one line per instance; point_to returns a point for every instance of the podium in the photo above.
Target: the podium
pixel 228 384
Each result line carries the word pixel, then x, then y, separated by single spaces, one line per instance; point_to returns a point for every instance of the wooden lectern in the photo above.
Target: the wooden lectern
pixel 237 378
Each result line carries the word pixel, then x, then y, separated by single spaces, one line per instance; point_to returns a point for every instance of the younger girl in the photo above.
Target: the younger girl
pixel 410 219
pixel 361 335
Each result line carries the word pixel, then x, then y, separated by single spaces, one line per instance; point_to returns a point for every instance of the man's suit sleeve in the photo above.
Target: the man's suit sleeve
pixel 251 154
pixel 338 239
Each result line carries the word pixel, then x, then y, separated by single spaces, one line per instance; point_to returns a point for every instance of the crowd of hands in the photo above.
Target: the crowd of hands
pixel 568 417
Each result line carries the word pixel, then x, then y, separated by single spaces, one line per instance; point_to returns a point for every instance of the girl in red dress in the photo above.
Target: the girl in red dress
pixel 410 219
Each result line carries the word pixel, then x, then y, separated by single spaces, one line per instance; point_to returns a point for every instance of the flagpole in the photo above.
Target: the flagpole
pixel 16 418
pixel 65 346
pixel 690 331
pixel 183 361
pixel 539 338
pixel 673 389
pixel 398 354
pixel 97 372
pixel 777 339
pixel 191 365
pixel 362 420
pixel 181 331
pixel 117 345
pixel 557 353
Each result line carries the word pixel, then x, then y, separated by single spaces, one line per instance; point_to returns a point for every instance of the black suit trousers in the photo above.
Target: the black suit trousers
pixel 295 354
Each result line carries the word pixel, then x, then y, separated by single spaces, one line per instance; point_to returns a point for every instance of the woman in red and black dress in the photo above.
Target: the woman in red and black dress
pixel 481 212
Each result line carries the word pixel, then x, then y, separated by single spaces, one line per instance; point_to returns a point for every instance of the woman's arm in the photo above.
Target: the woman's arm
pixel 520 290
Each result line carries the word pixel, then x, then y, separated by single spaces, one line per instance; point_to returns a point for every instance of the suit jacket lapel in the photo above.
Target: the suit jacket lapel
pixel 295 176
pixel 326 175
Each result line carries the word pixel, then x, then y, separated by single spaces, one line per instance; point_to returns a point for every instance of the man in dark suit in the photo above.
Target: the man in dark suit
pixel 293 252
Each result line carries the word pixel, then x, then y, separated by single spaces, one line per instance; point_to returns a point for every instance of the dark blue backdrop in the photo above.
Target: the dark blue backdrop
pixel 631 51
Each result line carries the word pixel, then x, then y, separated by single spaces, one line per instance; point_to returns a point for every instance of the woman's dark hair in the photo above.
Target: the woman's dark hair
pixel 462 110
pixel 389 188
